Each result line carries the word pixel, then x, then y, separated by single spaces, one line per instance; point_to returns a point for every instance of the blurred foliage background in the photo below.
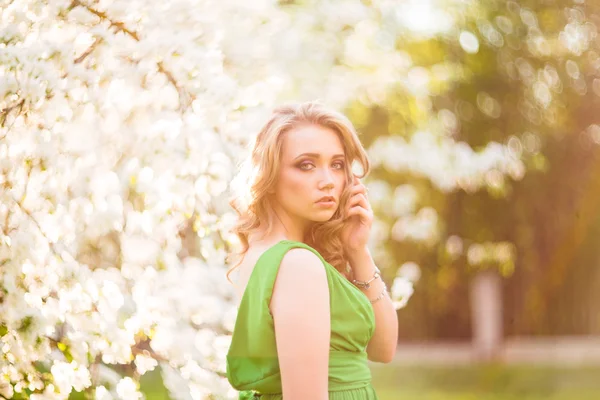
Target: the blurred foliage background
pixel 526 74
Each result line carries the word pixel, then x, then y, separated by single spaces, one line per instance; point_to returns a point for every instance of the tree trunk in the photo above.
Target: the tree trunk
pixel 486 311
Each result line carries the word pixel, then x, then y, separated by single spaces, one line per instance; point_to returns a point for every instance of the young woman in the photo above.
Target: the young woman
pixel 312 305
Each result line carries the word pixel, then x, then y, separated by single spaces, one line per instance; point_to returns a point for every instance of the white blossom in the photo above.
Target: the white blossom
pixel 127 389
pixel 401 291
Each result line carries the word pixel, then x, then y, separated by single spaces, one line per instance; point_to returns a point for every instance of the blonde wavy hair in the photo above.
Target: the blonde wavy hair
pixel 259 172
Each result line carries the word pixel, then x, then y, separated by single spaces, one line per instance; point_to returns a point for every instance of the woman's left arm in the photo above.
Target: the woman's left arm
pixel 383 343
pixel 355 235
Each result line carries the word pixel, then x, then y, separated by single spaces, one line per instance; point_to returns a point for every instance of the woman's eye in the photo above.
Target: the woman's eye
pixel 308 166
pixel 303 166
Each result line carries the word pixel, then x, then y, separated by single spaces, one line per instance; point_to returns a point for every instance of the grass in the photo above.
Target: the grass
pixel 492 382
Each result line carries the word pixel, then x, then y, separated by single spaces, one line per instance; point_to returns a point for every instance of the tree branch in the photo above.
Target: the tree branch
pixel 30 215
pixel 88 51
pixel 185 98
pixel 4 112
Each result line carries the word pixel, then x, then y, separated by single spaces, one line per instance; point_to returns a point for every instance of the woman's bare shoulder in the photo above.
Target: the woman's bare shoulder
pixel 301 274
pixel 298 257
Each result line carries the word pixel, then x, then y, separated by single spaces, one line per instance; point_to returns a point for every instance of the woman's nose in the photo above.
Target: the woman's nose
pixel 326 179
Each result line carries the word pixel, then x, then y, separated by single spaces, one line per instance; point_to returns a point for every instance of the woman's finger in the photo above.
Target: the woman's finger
pixel 360 188
pixel 364 214
pixel 360 199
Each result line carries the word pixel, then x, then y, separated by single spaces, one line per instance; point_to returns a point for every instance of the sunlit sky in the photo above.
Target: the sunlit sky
pixel 424 17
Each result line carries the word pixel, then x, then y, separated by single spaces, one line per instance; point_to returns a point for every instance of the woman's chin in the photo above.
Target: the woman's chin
pixel 323 216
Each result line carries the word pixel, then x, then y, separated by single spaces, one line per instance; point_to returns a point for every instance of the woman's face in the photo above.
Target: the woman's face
pixel 313 165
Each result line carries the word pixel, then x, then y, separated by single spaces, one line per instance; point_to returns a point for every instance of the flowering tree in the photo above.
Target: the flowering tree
pixel 121 124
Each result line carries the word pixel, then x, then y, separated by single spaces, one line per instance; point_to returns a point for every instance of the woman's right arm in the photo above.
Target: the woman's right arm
pixel 300 309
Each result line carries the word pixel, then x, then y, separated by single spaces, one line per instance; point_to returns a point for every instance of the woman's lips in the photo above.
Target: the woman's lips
pixel 326 203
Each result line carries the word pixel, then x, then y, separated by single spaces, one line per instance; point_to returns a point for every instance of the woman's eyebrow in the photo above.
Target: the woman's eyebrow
pixel 316 155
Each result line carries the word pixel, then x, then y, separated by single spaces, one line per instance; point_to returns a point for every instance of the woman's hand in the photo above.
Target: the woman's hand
pixel 355 233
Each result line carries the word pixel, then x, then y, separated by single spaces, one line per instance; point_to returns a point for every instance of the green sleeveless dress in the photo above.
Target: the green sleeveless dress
pixel 251 361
